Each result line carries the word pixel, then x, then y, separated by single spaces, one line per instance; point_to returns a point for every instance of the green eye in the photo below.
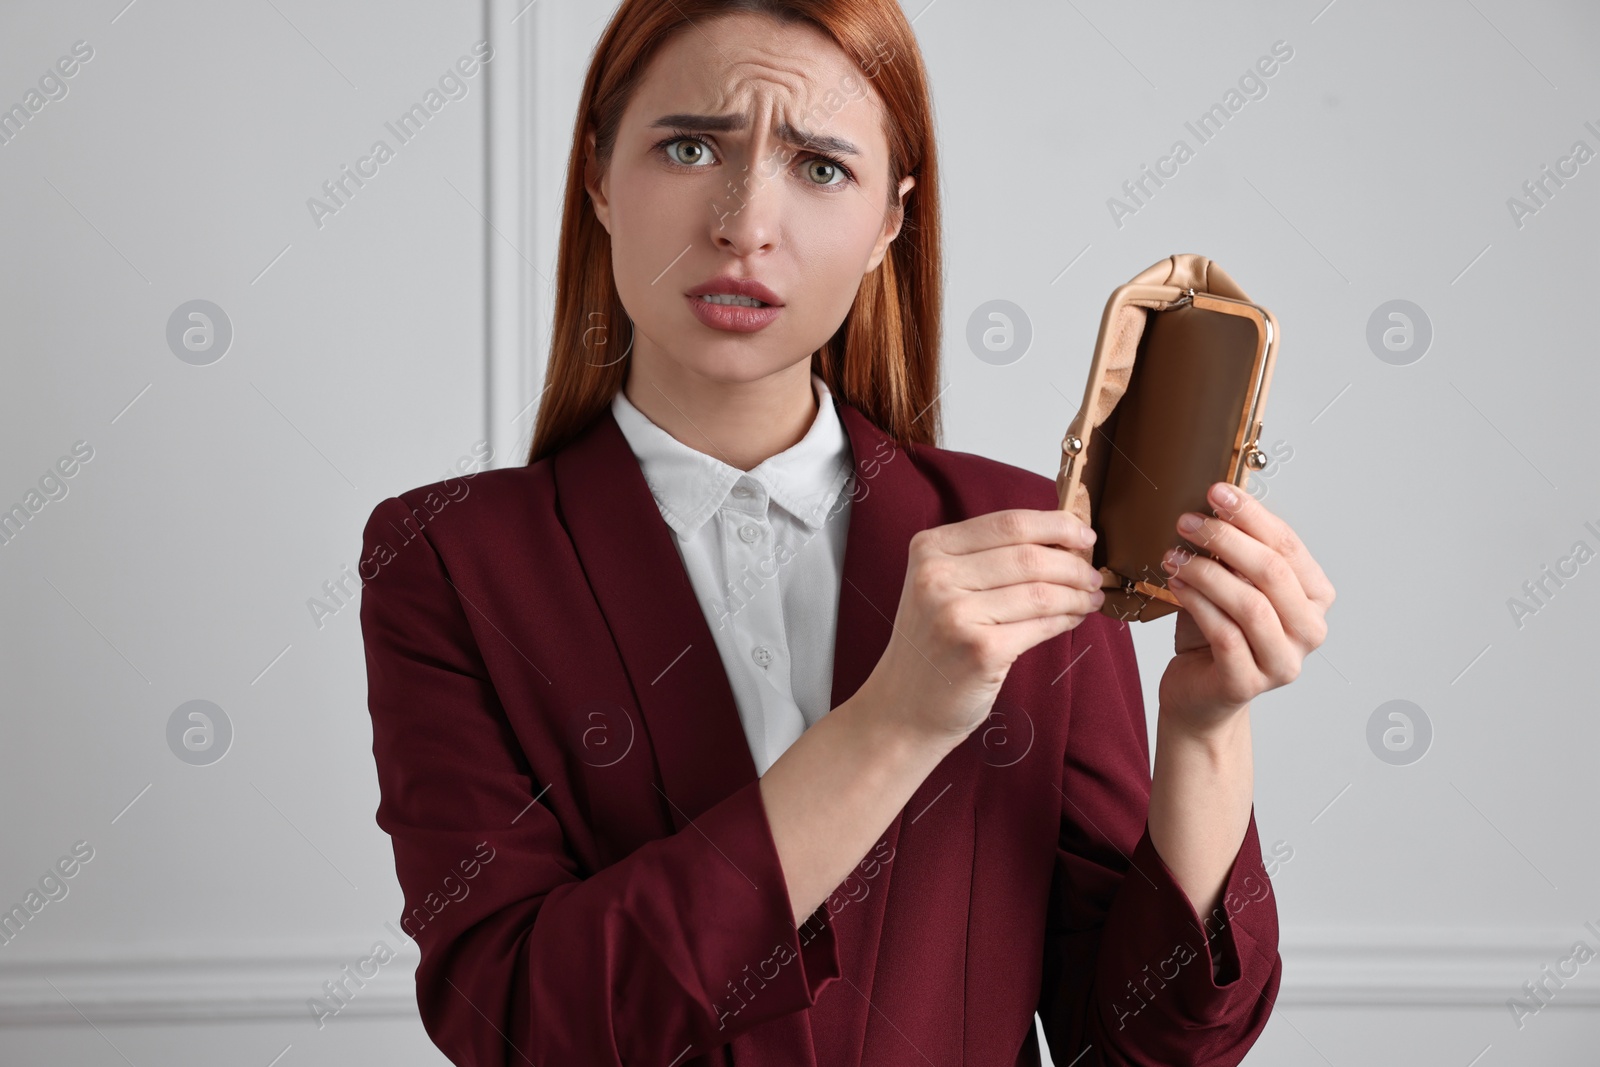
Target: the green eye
pixel 695 149
pixel 827 169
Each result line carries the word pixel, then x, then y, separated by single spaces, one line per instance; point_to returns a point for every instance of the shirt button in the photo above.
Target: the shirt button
pixel 747 534
pixel 761 654
pixel 740 491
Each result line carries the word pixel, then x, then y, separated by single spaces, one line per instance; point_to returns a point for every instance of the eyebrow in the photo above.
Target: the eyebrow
pixel 790 134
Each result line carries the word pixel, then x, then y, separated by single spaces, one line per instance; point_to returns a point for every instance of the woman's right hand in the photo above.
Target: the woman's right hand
pixel 979 593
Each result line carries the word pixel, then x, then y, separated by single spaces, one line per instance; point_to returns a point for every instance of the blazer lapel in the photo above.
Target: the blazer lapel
pixel 890 502
pixel 627 551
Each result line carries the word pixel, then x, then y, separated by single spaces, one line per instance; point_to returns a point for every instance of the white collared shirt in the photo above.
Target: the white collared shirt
pixel 768 585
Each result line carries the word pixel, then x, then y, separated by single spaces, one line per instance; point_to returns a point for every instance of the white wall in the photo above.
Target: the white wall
pixel 374 352
pixel 217 501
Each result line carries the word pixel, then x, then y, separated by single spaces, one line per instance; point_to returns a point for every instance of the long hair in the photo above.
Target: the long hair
pixel 884 358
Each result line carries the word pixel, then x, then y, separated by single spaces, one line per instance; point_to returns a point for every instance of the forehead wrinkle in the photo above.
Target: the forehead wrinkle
pixel 790 107
pixel 759 83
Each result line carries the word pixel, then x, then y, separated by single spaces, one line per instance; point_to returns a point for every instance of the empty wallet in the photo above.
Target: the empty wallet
pixel 1174 403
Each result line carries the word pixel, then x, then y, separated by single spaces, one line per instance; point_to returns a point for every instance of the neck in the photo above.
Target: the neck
pixel 739 423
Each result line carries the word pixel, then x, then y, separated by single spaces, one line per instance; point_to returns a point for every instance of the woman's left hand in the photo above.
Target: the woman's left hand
pixel 1248 619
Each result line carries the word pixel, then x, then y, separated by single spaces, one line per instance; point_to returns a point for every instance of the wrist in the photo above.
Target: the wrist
pixel 1218 735
pixel 876 718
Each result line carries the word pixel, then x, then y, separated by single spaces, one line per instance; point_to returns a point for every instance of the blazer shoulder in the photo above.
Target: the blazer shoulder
pixel 979 484
pixel 500 486
pixel 454 507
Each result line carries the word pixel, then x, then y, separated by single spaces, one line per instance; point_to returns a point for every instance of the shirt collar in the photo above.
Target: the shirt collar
pixel 689 485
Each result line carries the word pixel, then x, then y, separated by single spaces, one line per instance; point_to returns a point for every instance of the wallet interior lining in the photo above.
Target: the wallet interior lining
pixel 1127 327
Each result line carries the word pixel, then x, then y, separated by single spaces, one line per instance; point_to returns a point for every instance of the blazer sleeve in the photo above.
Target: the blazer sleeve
pixel 1132 974
pixel 530 958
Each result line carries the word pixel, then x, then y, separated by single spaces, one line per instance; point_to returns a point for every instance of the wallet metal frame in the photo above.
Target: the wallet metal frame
pixel 1246 455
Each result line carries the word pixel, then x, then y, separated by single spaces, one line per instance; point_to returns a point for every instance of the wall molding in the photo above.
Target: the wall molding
pixel 181 989
pixel 1327 969
pixel 1400 968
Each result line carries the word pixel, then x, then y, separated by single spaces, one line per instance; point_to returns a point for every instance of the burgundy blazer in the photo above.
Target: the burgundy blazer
pixel 587 865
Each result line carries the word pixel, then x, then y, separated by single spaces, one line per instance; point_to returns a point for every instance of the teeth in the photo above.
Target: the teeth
pixel 733 301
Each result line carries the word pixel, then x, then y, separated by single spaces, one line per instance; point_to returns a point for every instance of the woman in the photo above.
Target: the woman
pixel 746 725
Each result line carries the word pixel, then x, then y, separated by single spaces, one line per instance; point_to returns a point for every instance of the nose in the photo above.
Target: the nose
pixel 747 218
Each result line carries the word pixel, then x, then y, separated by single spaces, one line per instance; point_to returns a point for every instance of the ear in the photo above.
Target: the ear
pixel 891 225
pixel 595 182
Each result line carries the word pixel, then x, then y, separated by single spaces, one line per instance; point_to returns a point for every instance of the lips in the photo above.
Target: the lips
pixel 727 285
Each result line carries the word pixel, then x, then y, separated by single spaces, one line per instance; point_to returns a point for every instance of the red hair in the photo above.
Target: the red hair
pixel 884 358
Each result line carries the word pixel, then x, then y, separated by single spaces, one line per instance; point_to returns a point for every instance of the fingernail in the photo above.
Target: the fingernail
pixel 1224 496
pixel 1189 522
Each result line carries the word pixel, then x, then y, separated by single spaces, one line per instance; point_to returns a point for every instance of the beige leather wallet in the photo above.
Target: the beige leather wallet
pixel 1174 403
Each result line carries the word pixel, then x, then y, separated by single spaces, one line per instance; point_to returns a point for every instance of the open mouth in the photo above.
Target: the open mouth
pixel 733 301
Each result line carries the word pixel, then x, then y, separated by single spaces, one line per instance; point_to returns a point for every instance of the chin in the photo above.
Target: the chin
pixel 731 361
pixel 730 358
